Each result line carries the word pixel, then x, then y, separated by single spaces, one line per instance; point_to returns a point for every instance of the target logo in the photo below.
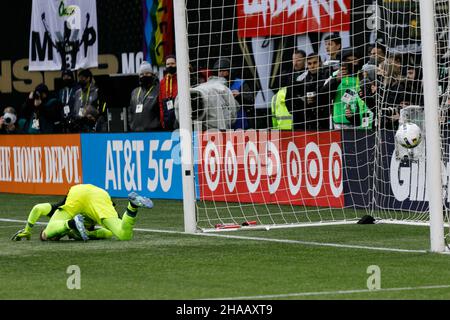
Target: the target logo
pixel 252 167
pixel 294 168
pixel 335 169
pixel 231 166
pixel 313 169
pixel 298 169
pixel 273 165
pixel 212 165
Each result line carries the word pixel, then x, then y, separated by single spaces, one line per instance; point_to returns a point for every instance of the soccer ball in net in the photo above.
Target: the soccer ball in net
pixel 409 135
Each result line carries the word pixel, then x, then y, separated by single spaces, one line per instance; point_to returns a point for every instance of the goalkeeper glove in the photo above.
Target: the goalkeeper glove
pixel 23 233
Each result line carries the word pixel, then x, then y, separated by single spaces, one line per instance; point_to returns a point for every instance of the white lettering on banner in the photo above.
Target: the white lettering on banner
pixel 158 167
pixel 61 162
pixel 409 182
pixel 275 7
pixel 130 167
pixel 131 153
pixel 27 164
pixel 314 169
pixel 110 174
pixel 168 165
pixel 5 167
pixel 131 62
pixel 152 184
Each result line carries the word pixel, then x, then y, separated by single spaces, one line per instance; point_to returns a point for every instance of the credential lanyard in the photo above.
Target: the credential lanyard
pixel 169 87
pixel 68 92
pixel 87 96
pixel 146 95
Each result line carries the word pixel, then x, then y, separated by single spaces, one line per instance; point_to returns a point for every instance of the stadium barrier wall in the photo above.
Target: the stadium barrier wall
pixel 39 164
pixel 144 162
pixel 149 163
pixel 272 167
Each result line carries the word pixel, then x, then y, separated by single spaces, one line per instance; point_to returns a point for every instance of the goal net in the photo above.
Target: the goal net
pixel 295 106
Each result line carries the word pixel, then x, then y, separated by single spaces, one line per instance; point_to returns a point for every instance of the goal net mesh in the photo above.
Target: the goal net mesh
pixel 295 106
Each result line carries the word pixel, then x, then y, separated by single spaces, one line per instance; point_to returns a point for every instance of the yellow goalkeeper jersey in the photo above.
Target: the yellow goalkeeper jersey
pixel 90 201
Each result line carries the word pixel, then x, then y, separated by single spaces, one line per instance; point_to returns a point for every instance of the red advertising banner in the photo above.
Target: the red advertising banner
pixel 39 164
pixel 260 18
pixel 272 167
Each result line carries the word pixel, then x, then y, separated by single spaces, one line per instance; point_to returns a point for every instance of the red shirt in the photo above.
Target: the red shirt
pixel 168 89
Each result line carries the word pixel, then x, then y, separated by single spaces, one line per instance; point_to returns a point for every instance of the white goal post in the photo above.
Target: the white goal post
pixel 275 146
pixel 433 141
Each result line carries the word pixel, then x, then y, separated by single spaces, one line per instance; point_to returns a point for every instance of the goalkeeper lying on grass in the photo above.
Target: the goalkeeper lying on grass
pixel 84 207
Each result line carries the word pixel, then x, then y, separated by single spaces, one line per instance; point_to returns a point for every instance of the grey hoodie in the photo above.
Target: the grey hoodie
pixel 219 106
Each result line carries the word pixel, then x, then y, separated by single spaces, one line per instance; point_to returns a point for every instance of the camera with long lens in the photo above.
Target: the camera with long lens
pixel 37 95
pixel 9 118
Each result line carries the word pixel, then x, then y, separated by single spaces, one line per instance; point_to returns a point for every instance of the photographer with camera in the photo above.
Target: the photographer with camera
pixel 40 111
pixel 341 91
pixel 8 122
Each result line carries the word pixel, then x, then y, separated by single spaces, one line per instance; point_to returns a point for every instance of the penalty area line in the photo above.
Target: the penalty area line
pixel 228 236
pixel 324 293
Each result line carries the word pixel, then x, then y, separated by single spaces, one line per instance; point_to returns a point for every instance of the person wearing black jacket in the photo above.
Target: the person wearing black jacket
pixel 40 111
pixel 143 111
pixel 289 76
pixel 391 91
pixel 309 113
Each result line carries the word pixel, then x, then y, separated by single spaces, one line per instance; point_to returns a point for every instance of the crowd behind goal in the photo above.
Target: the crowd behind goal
pixel 351 87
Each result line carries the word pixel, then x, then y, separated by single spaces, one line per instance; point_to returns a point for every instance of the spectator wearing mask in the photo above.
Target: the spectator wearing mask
pixel 168 90
pixel 66 97
pixel 86 95
pixel 8 122
pixel 244 96
pixel 144 111
pixel 40 111
pixel 341 91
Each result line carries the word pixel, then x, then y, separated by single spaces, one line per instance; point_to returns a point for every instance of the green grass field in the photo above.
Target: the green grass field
pixel 163 263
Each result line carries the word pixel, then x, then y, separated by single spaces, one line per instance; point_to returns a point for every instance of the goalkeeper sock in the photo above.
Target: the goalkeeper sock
pixel 131 210
pixel 28 227
pixel 56 228
pixel 71 224
pixel 101 233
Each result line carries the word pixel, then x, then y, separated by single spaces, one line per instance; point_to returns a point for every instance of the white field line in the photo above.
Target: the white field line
pixel 323 293
pixel 307 243
pixel 9 226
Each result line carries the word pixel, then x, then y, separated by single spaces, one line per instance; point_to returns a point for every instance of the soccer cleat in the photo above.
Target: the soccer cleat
pixel 140 201
pixel 79 224
pixel 73 234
